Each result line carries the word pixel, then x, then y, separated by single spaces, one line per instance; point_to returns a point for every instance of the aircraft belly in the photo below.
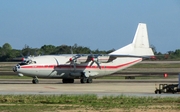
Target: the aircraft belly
pixel 38 73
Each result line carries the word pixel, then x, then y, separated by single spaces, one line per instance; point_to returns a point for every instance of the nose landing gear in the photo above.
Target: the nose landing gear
pixel 35 80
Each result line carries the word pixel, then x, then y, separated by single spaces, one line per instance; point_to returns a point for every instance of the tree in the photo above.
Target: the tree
pixel 6 52
pixel 48 49
pixel 110 51
pixel 7 46
pixel 154 49
pixel 177 52
pixel 63 49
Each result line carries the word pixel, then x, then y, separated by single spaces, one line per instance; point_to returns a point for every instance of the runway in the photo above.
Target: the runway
pixel 99 87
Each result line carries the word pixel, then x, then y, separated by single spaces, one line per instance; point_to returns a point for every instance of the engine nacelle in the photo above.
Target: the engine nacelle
pixel 82 59
pixel 85 59
pixel 103 59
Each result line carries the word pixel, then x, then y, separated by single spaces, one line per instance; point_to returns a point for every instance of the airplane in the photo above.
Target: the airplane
pixel 86 67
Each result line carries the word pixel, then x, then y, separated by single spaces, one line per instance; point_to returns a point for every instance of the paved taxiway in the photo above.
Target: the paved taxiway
pixel 100 87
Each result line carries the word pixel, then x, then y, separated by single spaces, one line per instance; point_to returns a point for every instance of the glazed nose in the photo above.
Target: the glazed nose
pixel 15 68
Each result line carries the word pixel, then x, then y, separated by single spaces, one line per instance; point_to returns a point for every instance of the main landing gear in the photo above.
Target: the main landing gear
pixel 82 80
pixel 86 80
pixel 35 80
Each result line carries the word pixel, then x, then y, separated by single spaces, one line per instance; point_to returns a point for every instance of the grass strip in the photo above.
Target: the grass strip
pixel 87 101
pixel 156 65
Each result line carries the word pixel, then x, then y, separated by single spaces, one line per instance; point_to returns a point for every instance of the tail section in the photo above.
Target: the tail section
pixel 139 46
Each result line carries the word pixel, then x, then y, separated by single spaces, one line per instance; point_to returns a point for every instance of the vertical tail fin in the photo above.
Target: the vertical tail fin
pixel 139 46
pixel 141 37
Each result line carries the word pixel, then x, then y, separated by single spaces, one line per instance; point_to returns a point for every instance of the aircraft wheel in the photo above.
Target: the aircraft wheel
pixel 64 81
pixel 89 80
pixel 156 91
pixel 35 81
pixel 83 80
pixel 159 91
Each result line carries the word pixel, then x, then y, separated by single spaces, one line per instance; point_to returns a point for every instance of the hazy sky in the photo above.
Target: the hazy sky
pixel 97 24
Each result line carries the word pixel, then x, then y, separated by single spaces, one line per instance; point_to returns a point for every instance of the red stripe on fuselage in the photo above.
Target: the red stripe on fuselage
pixel 77 66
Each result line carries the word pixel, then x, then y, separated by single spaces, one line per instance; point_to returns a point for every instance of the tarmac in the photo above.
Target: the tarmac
pixel 99 87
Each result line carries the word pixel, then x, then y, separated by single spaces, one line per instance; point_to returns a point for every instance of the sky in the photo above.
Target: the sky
pixel 96 24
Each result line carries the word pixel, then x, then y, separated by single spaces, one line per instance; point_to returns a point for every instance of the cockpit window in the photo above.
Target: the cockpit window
pixel 29 62
pixel 22 63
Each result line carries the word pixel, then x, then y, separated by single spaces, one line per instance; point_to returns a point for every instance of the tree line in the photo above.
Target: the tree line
pixel 7 53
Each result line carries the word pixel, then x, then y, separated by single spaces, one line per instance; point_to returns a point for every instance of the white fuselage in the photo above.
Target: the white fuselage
pixel 56 66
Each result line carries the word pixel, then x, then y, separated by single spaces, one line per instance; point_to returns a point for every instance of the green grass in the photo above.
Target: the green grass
pixel 37 103
pixel 157 65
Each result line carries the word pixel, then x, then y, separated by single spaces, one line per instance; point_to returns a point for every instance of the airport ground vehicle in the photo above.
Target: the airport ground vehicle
pixel 167 88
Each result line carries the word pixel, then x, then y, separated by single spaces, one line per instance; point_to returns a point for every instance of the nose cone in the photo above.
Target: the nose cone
pixel 15 68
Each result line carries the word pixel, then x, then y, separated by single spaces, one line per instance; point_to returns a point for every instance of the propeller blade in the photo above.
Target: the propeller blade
pixel 73 58
pixel 98 64
pixel 96 61
pixel 71 50
pixel 74 65
pixel 92 63
pixel 22 55
pixel 56 61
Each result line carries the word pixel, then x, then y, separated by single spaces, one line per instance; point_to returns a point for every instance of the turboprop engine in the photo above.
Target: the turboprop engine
pixel 79 60
pixel 99 59
pixel 102 59
pixel 88 58
pixel 82 59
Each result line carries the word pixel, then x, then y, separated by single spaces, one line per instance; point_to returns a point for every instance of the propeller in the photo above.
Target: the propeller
pixel 24 58
pixel 74 65
pixel 73 61
pixel 73 58
pixel 27 58
pixel 95 60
